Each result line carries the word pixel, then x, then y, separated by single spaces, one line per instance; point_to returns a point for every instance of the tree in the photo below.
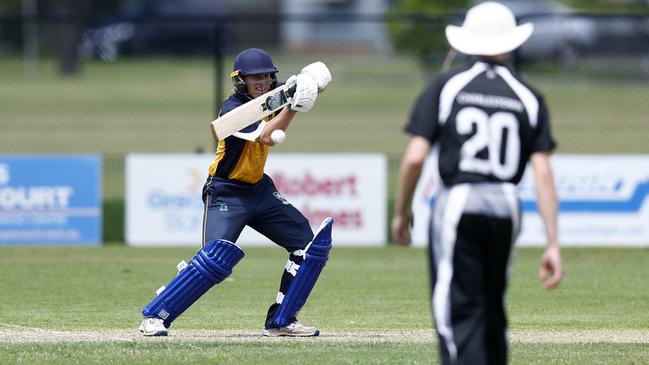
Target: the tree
pixel 69 30
pixel 68 34
pixel 418 26
pixel 609 6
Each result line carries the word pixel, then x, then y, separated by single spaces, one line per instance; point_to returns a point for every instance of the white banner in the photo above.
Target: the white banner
pixel 163 198
pixel 602 202
pixel 164 207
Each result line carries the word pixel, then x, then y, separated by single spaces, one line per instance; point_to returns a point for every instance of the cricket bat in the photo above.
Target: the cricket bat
pixel 250 112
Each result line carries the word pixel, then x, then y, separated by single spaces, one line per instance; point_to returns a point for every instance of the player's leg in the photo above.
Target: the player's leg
pixel 503 223
pixel 468 290
pixel 295 259
pixel 227 209
pixel 316 255
pixel 211 265
pixel 441 240
pixel 482 251
pixel 224 219
pixel 282 316
pixel 472 241
pixel 458 299
pixel 285 225
pixel 497 260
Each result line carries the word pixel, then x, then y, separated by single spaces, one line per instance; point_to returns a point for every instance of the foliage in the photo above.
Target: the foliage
pixel 417 27
pixel 608 6
pixel 113 220
pixel 9 6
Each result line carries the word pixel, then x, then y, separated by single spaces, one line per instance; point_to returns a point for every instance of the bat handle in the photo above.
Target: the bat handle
pixel 291 91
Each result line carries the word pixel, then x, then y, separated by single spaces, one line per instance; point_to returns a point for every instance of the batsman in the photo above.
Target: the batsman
pixel 238 193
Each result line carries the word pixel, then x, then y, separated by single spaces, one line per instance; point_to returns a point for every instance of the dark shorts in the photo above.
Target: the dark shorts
pixel 230 206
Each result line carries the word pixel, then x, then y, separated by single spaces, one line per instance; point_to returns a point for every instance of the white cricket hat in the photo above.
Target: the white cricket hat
pixel 489 29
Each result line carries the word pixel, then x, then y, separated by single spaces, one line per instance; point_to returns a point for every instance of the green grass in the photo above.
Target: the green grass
pixel 361 289
pixel 224 353
pixel 165 104
pixel 310 352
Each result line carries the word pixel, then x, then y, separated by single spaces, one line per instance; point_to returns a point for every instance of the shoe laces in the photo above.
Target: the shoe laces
pixel 154 320
pixel 296 325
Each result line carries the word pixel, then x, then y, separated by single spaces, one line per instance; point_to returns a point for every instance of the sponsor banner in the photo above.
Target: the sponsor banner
pixel 163 198
pixel 50 199
pixel 602 201
pixel 351 188
pixel 164 207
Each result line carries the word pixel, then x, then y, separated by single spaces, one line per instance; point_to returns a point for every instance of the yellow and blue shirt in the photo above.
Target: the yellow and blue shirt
pixel 236 158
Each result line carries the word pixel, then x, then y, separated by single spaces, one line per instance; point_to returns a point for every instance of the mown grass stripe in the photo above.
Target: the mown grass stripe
pixel 27 335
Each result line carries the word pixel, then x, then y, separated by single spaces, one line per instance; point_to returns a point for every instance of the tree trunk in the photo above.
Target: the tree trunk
pixel 68 35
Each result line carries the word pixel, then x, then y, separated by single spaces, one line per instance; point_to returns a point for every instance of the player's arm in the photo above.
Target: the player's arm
pixel 550 272
pixel 306 93
pixel 422 127
pixel 409 172
pixel 281 121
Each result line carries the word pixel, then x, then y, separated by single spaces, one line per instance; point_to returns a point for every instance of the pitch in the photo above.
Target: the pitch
pixel 66 305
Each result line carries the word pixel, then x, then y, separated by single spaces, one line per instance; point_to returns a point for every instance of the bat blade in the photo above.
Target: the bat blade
pixel 250 112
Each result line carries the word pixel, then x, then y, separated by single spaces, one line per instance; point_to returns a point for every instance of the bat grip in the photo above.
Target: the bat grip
pixel 291 91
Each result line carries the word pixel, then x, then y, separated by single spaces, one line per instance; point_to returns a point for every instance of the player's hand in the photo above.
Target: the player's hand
pixel 551 272
pixel 292 81
pixel 319 72
pixel 401 228
pixel 306 93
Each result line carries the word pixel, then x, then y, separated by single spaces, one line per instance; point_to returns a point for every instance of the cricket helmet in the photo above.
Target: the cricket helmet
pixel 252 61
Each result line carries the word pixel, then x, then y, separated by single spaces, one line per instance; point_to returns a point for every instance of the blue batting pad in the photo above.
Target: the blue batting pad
pixel 317 254
pixel 211 265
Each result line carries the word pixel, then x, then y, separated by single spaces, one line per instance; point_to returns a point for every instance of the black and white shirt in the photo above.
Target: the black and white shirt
pixel 484 121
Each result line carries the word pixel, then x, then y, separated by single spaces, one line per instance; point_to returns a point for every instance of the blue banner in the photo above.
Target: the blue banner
pixel 50 199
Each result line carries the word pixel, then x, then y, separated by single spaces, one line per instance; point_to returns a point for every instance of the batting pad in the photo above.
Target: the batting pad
pixel 211 265
pixel 317 254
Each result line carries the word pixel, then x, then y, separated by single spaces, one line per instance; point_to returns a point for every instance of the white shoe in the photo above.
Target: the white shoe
pixel 295 329
pixel 153 327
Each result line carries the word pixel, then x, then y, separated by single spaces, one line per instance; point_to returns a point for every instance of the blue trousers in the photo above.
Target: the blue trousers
pixel 230 206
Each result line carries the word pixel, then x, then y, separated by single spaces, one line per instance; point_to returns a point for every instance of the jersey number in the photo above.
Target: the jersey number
pixel 497 133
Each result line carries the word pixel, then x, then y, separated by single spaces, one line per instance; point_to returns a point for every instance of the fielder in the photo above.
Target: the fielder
pixel 238 193
pixel 484 124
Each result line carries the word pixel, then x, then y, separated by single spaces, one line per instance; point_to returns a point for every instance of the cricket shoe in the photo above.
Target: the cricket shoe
pixel 295 329
pixel 153 327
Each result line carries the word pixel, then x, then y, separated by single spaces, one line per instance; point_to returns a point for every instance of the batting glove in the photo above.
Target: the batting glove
pixel 306 93
pixel 291 81
pixel 319 72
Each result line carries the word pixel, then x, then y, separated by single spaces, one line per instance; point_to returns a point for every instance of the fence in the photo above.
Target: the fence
pixel 138 89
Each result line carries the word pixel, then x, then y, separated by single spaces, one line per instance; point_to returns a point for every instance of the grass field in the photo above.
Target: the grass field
pixel 165 104
pixel 81 305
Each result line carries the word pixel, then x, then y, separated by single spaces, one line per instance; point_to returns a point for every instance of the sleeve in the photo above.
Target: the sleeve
pixel 543 140
pixel 424 118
